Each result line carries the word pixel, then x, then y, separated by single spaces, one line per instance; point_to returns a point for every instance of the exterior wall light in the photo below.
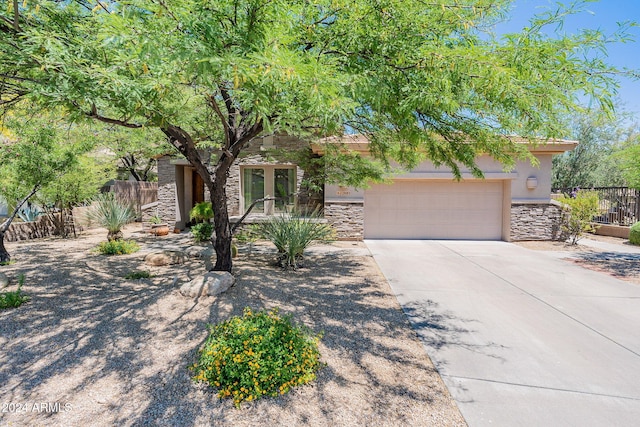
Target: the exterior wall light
pixel 532 183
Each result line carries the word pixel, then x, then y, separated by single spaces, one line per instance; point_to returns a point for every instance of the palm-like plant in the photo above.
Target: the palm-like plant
pixel 292 234
pixel 112 214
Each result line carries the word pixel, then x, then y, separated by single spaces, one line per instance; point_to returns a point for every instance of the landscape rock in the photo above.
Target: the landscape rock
pixel 200 252
pixel 4 281
pixel 165 257
pixel 210 284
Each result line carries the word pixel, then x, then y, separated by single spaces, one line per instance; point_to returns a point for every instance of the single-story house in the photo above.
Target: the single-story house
pixel 425 203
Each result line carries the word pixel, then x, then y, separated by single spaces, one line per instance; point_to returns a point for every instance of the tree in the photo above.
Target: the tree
pixel 27 164
pixel 578 213
pixel 421 80
pixel 629 158
pixel 79 184
pixel 136 149
pixel 593 163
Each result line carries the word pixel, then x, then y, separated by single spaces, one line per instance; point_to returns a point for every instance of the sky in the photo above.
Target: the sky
pixel 603 15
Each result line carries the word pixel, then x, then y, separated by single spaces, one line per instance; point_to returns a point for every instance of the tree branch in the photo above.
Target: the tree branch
pixel 246 214
pixel 225 123
pixel 5 225
pixel 94 115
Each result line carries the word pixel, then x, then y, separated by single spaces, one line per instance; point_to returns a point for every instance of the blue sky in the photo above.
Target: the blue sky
pixel 604 16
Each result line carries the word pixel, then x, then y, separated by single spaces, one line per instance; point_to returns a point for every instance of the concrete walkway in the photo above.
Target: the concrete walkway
pixel 519 337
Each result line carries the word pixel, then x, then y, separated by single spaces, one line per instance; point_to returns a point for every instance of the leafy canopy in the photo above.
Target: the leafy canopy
pixel 419 79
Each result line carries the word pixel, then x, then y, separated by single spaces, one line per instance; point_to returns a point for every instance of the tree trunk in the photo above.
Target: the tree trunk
pixel 4 255
pixel 222 240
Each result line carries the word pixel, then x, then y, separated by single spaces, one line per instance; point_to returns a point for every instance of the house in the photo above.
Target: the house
pixel 425 203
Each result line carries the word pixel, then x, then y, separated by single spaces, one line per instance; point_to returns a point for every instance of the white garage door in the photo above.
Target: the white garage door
pixel 434 210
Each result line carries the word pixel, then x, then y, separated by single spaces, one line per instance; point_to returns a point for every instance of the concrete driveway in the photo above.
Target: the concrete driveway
pixel 521 338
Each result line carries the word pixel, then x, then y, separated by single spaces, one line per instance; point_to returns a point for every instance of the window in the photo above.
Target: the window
pixel 268 180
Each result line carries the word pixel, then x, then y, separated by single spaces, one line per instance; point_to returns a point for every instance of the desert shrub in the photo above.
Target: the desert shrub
pixel 112 214
pixel 12 299
pixel 257 354
pixel 634 234
pixel 249 234
pixel 578 214
pixel 201 212
pixel 292 234
pixel 135 275
pixel 117 247
pixel 202 232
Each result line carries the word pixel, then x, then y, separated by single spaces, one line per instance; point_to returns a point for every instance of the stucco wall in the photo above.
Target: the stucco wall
pixel 492 170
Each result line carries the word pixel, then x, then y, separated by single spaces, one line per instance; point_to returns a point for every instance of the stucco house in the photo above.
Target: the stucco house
pixel 425 203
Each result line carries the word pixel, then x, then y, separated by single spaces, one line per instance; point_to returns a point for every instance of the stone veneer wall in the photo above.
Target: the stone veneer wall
pixel 166 208
pixel 536 222
pixel 347 218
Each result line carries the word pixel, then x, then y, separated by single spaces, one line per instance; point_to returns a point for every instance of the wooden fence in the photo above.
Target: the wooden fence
pixel 134 192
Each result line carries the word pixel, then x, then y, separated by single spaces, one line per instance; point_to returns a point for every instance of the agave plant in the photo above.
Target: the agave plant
pixel 112 214
pixel 292 234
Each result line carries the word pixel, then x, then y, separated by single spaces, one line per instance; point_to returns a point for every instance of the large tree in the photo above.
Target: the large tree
pixel 420 79
pixel 30 159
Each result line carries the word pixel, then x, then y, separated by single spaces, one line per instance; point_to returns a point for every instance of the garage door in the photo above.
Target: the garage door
pixel 434 210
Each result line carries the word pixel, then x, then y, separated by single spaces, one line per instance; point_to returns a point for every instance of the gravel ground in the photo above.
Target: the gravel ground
pixel 622 265
pixel 92 348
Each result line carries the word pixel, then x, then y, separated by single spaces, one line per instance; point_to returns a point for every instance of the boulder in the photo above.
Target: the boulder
pixel 200 252
pixel 210 284
pixel 4 281
pixel 165 257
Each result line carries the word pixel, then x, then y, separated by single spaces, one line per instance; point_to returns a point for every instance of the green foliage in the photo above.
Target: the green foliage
pixel 258 354
pixel 111 213
pixel 202 232
pixel 629 157
pixel 117 247
pixel 594 162
pixel 136 275
pixel 249 233
pixel 155 219
pixel 12 299
pixel 634 234
pixel 201 212
pixel 578 214
pixel 292 234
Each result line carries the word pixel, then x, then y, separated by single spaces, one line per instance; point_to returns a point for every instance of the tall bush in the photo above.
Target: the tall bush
pixel 112 214
pixel 578 214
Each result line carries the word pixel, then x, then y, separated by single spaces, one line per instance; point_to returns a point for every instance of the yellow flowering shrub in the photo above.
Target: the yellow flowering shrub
pixel 258 354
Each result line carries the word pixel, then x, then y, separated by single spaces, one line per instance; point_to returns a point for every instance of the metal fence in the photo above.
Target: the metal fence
pixel 618 205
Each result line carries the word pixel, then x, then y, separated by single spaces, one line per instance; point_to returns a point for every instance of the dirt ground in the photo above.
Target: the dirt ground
pixel 620 264
pixel 92 348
